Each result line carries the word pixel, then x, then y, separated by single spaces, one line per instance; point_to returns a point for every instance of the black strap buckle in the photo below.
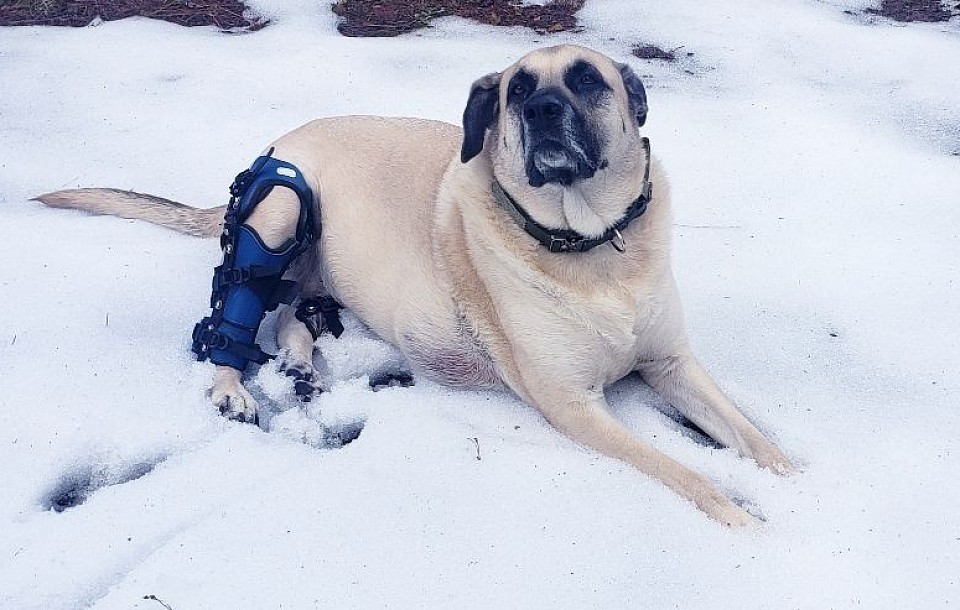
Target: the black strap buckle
pixel 242 182
pixel 230 223
pixel 215 340
pixel 565 244
pixel 241 275
pixel 226 277
pixel 328 308
pixel 239 185
pixel 206 338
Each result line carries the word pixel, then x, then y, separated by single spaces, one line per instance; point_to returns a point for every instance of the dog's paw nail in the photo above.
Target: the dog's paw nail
pixel 299 375
pixel 777 464
pixel 305 390
pixel 298 370
pixel 246 418
pixel 785 469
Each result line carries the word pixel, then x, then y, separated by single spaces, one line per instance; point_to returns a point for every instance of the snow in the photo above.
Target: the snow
pixel 814 159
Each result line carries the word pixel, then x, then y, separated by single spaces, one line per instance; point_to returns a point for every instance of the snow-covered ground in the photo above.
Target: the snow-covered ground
pixel 815 162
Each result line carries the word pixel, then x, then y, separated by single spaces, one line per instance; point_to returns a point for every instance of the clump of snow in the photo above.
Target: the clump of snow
pixel 814 163
pixel 358 352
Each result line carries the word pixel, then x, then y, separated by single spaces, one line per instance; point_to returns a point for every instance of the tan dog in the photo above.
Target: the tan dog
pixel 423 239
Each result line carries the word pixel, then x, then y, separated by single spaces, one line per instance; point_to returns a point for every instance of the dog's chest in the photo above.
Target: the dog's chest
pixel 594 334
pixel 597 334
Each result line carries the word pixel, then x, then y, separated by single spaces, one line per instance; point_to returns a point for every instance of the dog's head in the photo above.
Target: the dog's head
pixel 557 116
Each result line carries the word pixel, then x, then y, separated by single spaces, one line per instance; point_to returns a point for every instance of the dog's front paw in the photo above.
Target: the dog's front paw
pixel 304 376
pixel 731 515
pixel 234 402
pixel 773 459
pixel 695 488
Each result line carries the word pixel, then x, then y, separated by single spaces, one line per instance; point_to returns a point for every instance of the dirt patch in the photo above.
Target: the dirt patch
pixel 913 10
pixel 649 51
pixel 224 14
pixel 357 17
pixel 395 17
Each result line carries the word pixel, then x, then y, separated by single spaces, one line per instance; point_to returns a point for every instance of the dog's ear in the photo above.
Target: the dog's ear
pixel 482 108
pixel 636 95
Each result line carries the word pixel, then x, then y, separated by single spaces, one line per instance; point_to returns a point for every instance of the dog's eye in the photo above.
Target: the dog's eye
pixel 588 79
pixel 519 89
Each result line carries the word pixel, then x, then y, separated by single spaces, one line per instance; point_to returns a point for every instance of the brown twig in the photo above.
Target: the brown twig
pixel 159 601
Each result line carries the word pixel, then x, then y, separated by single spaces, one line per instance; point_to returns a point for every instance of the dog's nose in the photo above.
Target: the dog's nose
pixel 543 110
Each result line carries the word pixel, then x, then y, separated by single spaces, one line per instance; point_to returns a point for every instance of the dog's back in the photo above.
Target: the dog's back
pixel 376 182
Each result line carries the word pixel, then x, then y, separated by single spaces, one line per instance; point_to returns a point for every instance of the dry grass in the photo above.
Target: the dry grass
pixel 395 17
pixel 224 14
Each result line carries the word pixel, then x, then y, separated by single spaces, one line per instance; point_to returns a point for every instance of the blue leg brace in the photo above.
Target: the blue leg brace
pixel 248 283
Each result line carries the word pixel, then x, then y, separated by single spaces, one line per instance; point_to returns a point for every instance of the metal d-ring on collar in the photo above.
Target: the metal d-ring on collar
pixel 568 240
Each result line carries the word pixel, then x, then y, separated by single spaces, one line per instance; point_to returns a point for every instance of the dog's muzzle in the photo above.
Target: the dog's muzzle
pixel 557 147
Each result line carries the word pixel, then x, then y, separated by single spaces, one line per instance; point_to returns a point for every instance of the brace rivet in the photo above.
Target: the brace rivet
pixel 218 304
pixel 211 327
pixel 229 249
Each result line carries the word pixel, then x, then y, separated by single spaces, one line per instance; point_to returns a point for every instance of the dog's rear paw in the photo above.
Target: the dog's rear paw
pixel 391 378
pixel 234 402
pixel 304 376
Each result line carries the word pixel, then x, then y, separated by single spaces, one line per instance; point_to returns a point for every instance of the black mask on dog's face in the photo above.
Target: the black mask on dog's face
pixel 557 117
pixel 559 143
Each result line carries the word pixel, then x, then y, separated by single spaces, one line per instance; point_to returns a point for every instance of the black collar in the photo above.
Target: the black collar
pixel 568 240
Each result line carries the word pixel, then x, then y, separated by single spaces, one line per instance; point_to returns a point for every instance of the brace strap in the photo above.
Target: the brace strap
pixel 329 311
pixel 282 291
pixel 209 338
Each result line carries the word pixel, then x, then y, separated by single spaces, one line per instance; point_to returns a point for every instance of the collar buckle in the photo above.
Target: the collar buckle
pixel 565 244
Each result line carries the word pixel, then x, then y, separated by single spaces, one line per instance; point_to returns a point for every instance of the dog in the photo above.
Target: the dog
pixel 441 241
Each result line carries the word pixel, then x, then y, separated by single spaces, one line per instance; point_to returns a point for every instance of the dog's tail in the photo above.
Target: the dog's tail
pixel 137 206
